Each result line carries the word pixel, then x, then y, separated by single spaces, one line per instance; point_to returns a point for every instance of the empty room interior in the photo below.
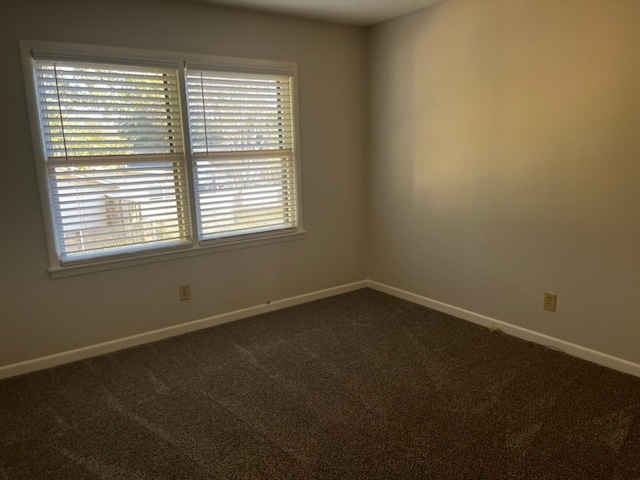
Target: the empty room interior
pixel 455 294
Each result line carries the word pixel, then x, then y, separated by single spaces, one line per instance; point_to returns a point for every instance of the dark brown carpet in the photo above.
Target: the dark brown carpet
pixel 358 386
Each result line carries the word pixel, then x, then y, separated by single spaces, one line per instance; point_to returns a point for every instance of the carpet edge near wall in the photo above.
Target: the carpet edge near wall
pixel 61 358
pixel 575 350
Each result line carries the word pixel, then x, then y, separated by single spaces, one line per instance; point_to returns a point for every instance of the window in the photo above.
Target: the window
pixel 144 154
pixel 242 144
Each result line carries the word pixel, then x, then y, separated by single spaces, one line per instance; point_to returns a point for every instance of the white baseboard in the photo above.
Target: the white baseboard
pixel 513 330
pixel 155 335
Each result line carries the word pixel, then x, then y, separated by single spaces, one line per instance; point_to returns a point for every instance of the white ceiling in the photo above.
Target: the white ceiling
pixel 351 12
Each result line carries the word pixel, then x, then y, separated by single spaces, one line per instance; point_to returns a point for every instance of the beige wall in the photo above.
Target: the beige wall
pixel 503 161
pixel 41 316
pixel 506 162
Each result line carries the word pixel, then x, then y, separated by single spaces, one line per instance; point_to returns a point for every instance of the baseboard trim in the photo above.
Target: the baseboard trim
pixel 175 330
pixel 163 333
pixel 513 330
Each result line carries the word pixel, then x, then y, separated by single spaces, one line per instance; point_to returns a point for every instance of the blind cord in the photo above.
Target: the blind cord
pixel 204 114
pixel 64 137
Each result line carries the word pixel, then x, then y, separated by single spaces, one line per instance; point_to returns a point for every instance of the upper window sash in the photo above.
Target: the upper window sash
pixel 233 112
pixel 95 109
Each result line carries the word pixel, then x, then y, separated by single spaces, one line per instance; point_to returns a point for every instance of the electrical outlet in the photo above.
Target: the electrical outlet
pixel 184 292
pixel 550 300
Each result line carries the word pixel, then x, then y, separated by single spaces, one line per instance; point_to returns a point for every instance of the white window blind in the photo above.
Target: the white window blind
pixel 114 153
pixel 242 144
pixel 142 152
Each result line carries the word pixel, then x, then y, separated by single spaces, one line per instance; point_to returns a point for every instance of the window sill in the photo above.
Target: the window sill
pixel 94 267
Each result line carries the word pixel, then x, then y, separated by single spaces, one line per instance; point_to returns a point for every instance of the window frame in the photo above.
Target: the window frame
pixel 238 154
pixel 30 50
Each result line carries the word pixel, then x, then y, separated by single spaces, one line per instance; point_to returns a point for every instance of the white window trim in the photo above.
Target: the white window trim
pixel 178 60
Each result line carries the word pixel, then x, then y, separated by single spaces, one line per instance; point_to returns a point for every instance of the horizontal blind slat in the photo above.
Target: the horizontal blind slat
pixel 134 236
pixel 96 217
pixel 251 223
pixel 230 231
pixel 249 216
